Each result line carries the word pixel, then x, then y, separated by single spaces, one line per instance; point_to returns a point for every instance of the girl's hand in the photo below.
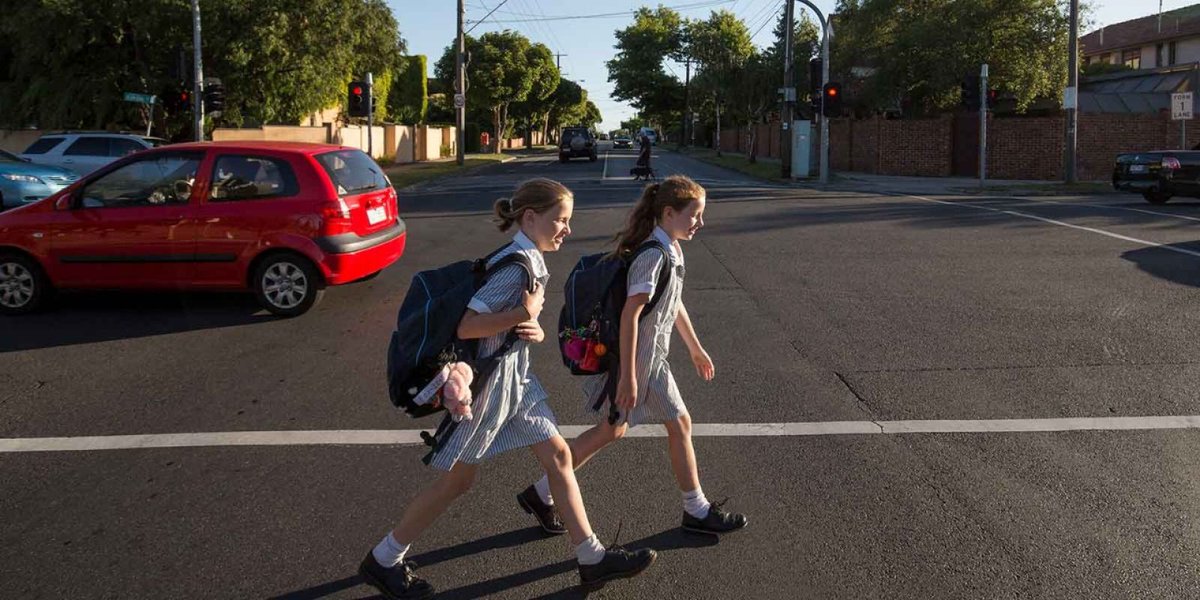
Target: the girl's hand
pixel 704 364
pixel 531 331
pixel 627 394
pixel 533 302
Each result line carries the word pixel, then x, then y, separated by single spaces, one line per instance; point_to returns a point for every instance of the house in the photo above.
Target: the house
pixel 1155 41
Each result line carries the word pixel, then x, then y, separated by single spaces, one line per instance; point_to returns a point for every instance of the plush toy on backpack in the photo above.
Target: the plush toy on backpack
pixel 456 394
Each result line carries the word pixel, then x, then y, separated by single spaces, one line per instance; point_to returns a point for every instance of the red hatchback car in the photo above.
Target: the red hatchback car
pixel 280 219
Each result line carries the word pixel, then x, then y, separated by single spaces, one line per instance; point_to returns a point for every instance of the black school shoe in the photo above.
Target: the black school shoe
pixel 717 521
pixel 618 563
pixel 546 514
pixel 396 583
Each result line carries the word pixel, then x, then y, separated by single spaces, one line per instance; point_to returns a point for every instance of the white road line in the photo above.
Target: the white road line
pixel 405 437
pixel 1102 206
pixel 604 174
pixel 1061 224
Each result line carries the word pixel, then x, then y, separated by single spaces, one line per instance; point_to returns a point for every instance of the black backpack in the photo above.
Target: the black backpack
pixel 426 335
pixel 595 294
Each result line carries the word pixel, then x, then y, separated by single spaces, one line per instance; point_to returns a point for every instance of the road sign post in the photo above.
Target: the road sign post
pixel 1181 110
pixel 147 99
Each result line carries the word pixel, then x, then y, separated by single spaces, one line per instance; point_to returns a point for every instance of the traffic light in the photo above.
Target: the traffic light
pixel 177 100
pixel 833 99
pixel 214 98
pixel 359 99
pixel 970 93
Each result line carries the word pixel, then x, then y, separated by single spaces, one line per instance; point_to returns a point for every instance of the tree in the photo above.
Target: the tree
pixel 280 60
pixel 505 68
pixel 408 101
pixel 806 44
pixel 721 46
pixel 1023 42
pixel 638 71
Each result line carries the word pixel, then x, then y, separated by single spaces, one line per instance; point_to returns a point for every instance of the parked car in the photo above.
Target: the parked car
pixel 603 137
pixel 622 141
pixel 1158 175
pixel 86 151
pixel 280 219
pixel 575 142
pixel 22 182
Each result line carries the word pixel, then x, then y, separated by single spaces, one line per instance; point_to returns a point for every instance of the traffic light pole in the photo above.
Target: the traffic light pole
pixel 370 114
pixel 1073 95
pixel 198 74
pixel 789 91
pixel 826 30
pixel 460 87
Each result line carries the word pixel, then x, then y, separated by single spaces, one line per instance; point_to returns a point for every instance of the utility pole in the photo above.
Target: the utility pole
pixel 789 90
pixel 687 101
pixel 826 31
pixel 717 102
pixel 370 114
pixel 558 60
pixel 198 73
pixel 460 87
pixel 1071 97
pixel 983 110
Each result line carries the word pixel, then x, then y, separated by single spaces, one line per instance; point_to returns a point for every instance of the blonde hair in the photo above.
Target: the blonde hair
pixel 676 191
pixel 538 195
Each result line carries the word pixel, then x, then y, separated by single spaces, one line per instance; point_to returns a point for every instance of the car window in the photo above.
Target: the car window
pixel 251 178
pixel 352 172
pixel 161 179
pixel 43 145
pixel 119 147
pixel 88 146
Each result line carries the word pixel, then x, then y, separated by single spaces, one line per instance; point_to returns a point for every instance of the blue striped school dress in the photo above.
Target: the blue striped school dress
pixel 510 409
pixel 659 400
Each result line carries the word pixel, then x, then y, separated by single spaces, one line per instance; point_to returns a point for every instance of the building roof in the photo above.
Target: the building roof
pixel 1181 22
pixel 1136 91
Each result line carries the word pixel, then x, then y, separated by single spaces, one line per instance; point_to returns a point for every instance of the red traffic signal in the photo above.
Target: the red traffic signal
pixel 832 105
pixel 356 90
pixel 358 103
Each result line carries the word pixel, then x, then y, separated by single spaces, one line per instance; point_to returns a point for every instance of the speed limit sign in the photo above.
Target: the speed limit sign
pixel 459 101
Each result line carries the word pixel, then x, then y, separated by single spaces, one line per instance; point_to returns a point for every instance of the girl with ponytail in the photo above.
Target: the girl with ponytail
pixel 665 214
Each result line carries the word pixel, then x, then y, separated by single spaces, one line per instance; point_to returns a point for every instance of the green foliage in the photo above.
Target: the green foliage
pixel 920 49
pixel 1099 68
pixel 280 60
pixel 638 73
pixel 409 101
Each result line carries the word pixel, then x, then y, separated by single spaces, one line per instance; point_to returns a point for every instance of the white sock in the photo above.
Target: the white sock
pixel 695 503
pixel 590 552
pixel 389 552
pixel 543 489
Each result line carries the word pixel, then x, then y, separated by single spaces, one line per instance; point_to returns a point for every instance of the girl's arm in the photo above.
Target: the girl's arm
pixel 475 324
pixel 700 358
pixel 627 379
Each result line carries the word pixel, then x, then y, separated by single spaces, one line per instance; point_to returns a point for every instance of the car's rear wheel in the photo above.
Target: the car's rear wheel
pixel 1156 197
pixel 287 284
pixel 23 286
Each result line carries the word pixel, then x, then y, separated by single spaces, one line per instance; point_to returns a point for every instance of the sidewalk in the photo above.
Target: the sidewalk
pixel 866 182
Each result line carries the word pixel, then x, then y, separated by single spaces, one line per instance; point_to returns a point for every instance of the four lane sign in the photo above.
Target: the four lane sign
pixel 1181 106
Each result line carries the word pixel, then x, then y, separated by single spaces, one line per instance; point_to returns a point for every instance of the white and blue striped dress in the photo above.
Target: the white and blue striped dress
pixel 510 409
pixel 659 400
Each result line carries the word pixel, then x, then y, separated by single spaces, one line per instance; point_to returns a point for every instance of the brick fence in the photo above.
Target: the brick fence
pixel 1018 147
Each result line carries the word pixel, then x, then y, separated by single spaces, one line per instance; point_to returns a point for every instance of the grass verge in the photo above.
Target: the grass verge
pixel 766 168
pixel 408 174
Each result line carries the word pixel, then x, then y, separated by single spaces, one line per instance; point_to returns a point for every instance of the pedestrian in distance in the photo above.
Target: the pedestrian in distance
pixel 509 409
pixel 666 213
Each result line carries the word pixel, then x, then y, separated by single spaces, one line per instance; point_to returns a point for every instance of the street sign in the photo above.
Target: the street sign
pixel 1181 106
pixel 1070 98
pixel 459 101
pixel 141 98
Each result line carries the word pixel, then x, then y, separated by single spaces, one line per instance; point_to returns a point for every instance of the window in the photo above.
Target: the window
pixel 1132 58
pixel 119 147
pixel 88 146
pixel 43 145
pixel 1158 56
pixel 1106 57
pixel 156 180
pixel 1171 54
pixel 251 177
pixel 352 172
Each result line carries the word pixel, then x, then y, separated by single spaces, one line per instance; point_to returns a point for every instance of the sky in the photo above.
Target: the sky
pixel 586 39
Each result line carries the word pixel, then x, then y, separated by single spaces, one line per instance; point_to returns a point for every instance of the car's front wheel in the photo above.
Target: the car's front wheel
pixel 23 286
pixel 287 284
pixel 1156 197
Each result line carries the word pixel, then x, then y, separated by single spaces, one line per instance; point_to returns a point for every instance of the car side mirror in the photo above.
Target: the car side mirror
pixel 65 202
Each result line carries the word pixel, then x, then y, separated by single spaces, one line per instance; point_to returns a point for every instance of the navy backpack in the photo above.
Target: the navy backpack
pixel 590 322
pixel 426 335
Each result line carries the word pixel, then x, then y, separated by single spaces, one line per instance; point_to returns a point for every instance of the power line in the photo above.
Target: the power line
pixel 692 6
pixel 770 17
pixel 502 3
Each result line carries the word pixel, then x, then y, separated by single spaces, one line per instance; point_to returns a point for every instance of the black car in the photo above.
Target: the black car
pixel 1159 174
pixel 576 142
pixel 622 141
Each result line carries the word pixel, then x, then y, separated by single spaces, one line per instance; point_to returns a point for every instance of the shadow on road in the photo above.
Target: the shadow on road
pixel 82 318
pixel 1167 264
pixel 665 541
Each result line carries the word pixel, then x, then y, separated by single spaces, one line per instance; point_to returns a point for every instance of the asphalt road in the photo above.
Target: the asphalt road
pixel 816 307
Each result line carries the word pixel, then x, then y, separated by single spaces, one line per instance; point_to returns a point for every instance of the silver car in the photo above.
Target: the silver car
pixel 84 151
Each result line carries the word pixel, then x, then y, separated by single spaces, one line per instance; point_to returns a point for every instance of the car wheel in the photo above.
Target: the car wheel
pixel 23 285
pixel 1155 197
pixel 287 285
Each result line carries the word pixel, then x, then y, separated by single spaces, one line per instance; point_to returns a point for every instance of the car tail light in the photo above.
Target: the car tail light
pixel 336 217
pixel 1170 163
